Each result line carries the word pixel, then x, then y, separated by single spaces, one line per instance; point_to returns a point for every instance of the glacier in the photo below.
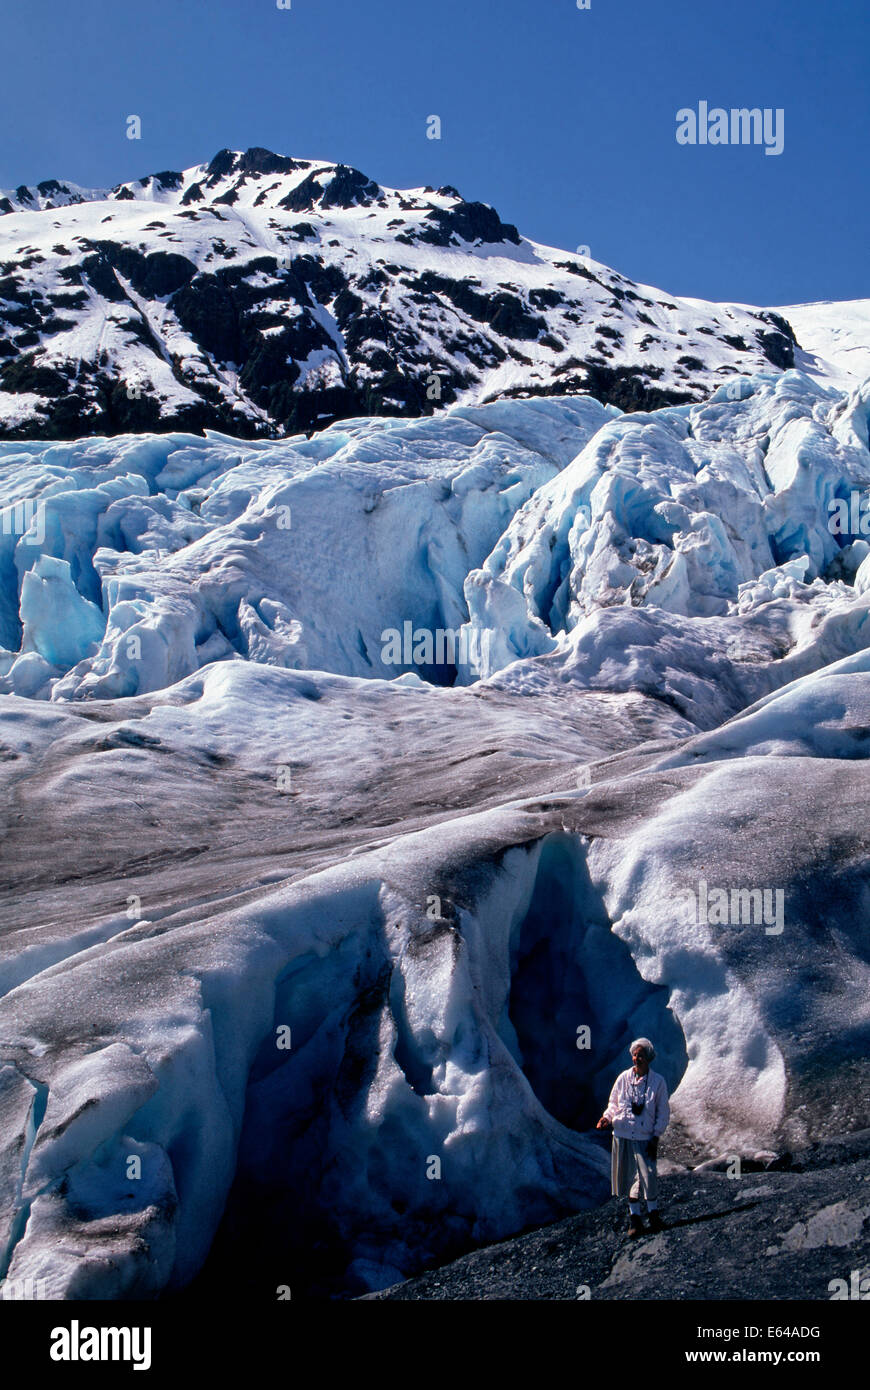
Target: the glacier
pixel 297 943
pixel 201 550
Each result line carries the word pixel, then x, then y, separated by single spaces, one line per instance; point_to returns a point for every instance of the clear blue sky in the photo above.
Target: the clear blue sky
pixel 563 119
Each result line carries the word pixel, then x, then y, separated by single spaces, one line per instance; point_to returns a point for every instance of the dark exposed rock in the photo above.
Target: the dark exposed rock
pixel 574 269
pixel 207 310
pixel 780 323
pixel 505 312
pixel 777 349
pixel 367 328
pixel 26 314
pixel 155 275
pixel 168 178
pixel 545 298
pixel 471 222
pixel 222 164
pixel 325 281
pixel 778 345
pixel 260 161
pixel 101 277
pixel 345 189
pixel 625 387
pixel 304 197
pixel 348 188
pixel 346 305
pixel 57 324
pixel 771 1235
pixel 374 279
pixel 25 375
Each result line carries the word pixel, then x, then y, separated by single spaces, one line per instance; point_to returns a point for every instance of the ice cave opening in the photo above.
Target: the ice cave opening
pixel 577 999
pixel 332 1193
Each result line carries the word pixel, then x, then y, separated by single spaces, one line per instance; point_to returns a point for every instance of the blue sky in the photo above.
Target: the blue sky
pixel 563 119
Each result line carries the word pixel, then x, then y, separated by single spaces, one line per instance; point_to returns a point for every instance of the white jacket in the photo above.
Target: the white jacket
pixel 656 1110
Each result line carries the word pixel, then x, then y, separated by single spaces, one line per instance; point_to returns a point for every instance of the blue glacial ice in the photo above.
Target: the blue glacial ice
pixel 226 814
pixel 299 554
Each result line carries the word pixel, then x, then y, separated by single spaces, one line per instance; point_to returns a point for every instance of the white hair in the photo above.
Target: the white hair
pixel 646 1045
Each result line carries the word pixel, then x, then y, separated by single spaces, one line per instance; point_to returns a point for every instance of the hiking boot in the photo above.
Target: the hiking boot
pixel 635 1226
pixel 655 1222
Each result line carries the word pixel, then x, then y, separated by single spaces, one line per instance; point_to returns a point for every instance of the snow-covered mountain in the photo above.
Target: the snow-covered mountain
pixel 834 338
pixel 261 295
pixel 302 917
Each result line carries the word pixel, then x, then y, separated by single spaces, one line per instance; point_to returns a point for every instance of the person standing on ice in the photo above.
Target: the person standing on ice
pixel 638 1112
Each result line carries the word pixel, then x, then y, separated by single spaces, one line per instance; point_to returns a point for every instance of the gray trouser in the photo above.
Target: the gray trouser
pixel 629 1164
